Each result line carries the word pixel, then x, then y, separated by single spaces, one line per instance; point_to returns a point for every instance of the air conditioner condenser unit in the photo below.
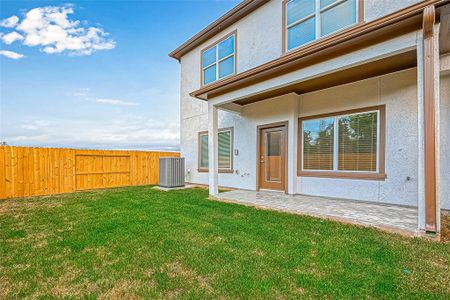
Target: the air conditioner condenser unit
pixel 171 172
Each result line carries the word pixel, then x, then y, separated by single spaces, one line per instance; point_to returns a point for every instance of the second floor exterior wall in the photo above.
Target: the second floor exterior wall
pixel 259 39
pixel 374 9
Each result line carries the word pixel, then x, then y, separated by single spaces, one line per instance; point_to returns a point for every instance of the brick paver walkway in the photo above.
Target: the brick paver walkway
pixel 392 217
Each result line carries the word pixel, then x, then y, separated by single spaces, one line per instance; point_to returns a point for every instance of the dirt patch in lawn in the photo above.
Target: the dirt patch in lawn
pixel 20 205
pixel 5 287
pixel 124 289
pixel 176 269
pixel 445 223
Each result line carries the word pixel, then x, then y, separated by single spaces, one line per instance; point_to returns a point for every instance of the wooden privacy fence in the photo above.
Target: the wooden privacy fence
pixel 27 171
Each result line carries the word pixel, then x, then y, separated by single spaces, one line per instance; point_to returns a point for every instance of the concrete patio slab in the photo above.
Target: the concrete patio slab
pixel 166 189
pixel 393 218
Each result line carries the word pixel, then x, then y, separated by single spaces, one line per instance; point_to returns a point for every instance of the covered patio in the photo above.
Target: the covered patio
pixel 395 218
pixel 401 41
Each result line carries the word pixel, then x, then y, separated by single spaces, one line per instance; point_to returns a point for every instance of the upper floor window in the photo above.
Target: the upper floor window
pixel 218 60
pixel 308 20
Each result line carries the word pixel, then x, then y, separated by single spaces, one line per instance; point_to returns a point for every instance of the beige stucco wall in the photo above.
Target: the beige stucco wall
pixel 374 9
pixel 398 91
pixel 254 47
pixel 269 111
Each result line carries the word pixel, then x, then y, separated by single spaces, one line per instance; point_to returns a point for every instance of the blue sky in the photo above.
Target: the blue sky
pixel 116 90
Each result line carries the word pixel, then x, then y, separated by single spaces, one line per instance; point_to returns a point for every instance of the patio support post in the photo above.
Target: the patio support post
pixel 428 96
pixel 292 145
pixel 212 150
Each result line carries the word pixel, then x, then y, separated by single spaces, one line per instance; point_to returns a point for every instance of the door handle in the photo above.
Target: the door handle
pixel 262 159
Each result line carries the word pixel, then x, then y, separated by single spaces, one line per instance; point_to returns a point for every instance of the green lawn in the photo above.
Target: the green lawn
pixel 141 243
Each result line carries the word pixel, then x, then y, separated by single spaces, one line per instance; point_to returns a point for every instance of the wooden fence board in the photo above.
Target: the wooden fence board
pixel 2 174
pixel 41 171
pixel 28 171
pixel 26 176
pixel 9 173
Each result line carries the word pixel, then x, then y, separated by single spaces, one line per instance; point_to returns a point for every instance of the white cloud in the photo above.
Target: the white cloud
pixel 101 126
pixel 126 132
pixel 9 22
pixel 36 125
pixel 11 37
pixel 51 29
pixel 11 54
pixel 116 102
pixel 83 92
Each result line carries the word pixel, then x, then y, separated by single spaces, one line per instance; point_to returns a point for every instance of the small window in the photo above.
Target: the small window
pixel 203 164
pixel 308 20
pixel 343 142
pixel 225 149
pixel 219 61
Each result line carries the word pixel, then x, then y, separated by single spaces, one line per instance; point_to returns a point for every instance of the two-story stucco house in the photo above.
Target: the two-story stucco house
pixel 347 99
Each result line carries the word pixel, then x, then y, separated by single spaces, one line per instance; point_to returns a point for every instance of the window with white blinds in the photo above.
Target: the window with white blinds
pixel 225 149
pixel 342 142
pixel 318 142
pixel 358 139
pixel 203 155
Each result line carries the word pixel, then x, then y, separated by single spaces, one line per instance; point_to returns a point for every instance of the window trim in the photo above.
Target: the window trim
pixel 202 84
pixel 230 170
pixel 284 29
pixel 380 174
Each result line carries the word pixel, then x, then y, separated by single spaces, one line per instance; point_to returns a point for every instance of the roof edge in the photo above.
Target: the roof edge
pixel 232 16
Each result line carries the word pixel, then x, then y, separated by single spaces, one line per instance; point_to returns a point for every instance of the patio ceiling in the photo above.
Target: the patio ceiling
pixel 386 65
